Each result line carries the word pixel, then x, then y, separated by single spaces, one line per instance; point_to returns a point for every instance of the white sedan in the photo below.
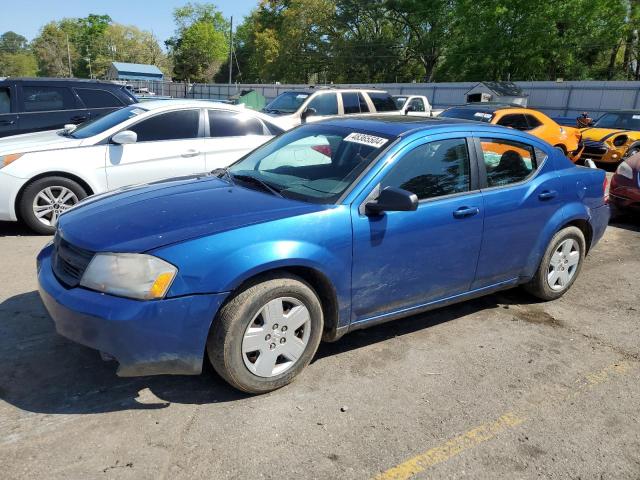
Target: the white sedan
pixel 45 173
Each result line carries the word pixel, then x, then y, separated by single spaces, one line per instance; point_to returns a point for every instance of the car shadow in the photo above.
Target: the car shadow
pixel 42 372
pixel 626 222
pixel 14 229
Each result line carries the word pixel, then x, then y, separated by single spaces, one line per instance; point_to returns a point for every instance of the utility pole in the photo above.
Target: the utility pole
pixel 231 51
pixel 69 57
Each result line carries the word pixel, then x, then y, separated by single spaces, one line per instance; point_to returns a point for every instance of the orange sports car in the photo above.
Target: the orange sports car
pixel 567 139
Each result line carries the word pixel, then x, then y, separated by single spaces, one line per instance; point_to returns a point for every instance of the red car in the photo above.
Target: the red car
pixel 624 193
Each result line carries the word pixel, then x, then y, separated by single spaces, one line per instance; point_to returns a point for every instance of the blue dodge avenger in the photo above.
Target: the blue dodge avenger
pixel 328 228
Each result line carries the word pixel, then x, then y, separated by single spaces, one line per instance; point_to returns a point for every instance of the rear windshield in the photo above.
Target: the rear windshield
pixel 468 114
pixel 287 102
pixel 102 124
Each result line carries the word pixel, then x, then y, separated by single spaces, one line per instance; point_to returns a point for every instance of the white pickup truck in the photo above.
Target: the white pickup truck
pixel 415 105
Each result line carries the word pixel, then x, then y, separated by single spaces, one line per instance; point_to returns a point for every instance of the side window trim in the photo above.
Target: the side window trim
pixel 482 169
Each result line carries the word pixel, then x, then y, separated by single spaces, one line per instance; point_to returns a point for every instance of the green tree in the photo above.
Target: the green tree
pixel 200 44
pixel 11 42
pixel 50 49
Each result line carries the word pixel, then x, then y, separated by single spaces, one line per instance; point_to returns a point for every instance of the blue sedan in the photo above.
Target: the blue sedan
pixel 328 228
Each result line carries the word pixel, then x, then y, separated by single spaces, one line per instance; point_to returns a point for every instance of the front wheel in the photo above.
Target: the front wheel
pixel 45 199
pixel 560 265
pixel 266 334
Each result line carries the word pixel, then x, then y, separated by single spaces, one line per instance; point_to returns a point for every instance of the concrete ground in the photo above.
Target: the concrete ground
pixel 500 387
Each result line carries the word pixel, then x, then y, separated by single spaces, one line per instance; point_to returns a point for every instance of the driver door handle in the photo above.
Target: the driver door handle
pixel 548 195
pixel 464 212
pixel 79 119
pixel 191 153
pixel 7 122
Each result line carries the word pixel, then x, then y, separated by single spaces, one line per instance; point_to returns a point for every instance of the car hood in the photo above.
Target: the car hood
pixel 600 134
pixel 142 218
pixel 37 141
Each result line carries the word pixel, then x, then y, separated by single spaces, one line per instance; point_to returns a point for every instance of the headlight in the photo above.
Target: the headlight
pixel 620 140
pixel 7 159
pixel 132 275
pixel 625 170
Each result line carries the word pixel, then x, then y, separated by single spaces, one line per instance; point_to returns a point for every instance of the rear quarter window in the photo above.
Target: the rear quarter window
pixel 382 101
pixel 94 98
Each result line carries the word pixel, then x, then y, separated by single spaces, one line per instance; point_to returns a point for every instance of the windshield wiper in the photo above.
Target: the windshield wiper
pixel 257 181
pixel 222 173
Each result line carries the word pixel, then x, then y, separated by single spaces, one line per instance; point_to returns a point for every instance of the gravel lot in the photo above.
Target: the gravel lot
pixel 500 387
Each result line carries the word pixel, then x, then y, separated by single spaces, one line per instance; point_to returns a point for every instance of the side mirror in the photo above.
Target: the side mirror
pixel 590 163
pixel 69 127
pixel 124 137
pixel 410 108
pixel 392 199
pixel 309 111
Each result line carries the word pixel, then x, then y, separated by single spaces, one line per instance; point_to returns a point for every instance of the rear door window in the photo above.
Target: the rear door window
pixel 325 104
pixel 5 100
pixel 351 102
pixel 93 98
pixel 382 101
pixel 507 162
pixel 179 125
pixel 516 120
pixel 234 124
pixel 46 98
pixel 416 105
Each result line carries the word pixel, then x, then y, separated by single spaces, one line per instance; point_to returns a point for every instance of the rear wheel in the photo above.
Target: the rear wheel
pixel 560 265
pixel 266 334
pixel 45 199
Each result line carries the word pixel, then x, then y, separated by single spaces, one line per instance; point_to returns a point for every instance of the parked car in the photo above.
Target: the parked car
pixel 256 264
pixel 612 138
pixel 566 139
pixel 415 105
pixel 43 174
pixel 36 104
pixel 296 107
pixel 624 191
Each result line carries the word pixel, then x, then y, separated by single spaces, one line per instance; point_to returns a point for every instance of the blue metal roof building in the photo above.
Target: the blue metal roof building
pixel 133 71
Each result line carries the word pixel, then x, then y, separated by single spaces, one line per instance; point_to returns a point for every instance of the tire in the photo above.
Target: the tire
pixel 560 275
pixel 248 349
pixel 631 152
pixel 50 196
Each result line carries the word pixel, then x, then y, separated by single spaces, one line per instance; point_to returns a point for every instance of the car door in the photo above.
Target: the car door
pixel 45 106
pixel 98 102
pixel 402 260
pixel 8 116
pixel 520 191
pixel 169 144
pixel 231 135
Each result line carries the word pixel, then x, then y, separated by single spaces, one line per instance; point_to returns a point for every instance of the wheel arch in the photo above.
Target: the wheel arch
pixel 320 283
pixel 80 181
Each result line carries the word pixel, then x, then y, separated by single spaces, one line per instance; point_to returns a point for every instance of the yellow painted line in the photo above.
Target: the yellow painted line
pixel 483 433
pixel 451 448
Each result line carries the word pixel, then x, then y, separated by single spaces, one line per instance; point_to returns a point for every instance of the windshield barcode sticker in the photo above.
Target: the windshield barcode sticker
pixel 365 139
pixel 636 117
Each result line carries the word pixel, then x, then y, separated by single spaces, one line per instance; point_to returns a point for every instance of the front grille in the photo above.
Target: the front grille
pixel 69 262
pixel 594 149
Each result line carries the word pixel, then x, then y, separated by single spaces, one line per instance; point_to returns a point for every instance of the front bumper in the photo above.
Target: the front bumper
pixel 145 337
pixel 9 188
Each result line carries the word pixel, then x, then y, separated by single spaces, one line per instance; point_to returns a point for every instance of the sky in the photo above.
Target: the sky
pixel 26 17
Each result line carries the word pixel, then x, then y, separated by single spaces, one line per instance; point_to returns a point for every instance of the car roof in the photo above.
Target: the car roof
pixel 187 102
pixel 396 125
pixel 332 89
pixel 60 80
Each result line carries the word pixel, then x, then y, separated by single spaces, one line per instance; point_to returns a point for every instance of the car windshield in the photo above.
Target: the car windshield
pixel 623 121
pixel 287 102
pixel 313 163
pixel 468 114
pixel 102 124
pixel 400 101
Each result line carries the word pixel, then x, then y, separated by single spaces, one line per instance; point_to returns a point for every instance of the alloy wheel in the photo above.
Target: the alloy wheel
pixel 51 202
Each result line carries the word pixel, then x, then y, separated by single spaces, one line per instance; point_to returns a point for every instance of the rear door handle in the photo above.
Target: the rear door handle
pixel 7 122
pixel 79 118
pixel 548 195
pixel 191 153
pixel 464 212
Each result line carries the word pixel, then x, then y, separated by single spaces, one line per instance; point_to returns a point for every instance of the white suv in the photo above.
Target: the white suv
pixel 295 107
